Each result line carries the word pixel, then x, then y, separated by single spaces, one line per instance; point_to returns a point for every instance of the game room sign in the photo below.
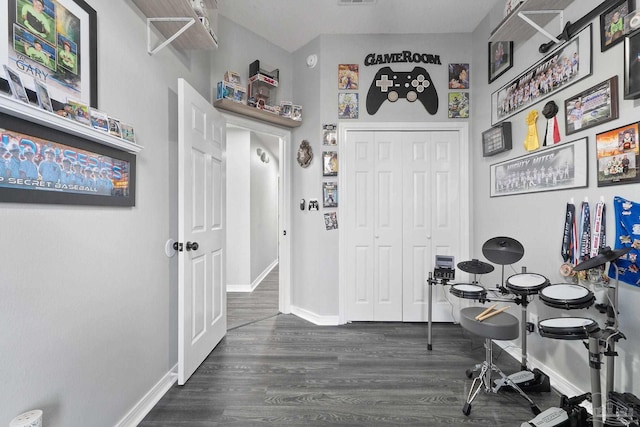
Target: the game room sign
pixel 404 56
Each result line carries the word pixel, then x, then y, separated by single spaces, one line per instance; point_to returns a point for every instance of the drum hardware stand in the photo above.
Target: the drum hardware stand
pixel 431 281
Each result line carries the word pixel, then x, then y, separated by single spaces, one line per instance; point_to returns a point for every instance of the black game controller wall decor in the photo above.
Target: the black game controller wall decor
pixel 390 85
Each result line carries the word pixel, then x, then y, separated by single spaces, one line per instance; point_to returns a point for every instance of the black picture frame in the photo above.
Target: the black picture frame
pixel 609 38
pixel 632 65
pixel 120 165
pixel 574 54
pixel 618 155
pixel 601 106
pixel 497 139
pixel 79 81
pixel 499 60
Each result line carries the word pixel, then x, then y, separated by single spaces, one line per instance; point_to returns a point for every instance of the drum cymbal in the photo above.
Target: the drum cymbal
pixel 475 267
pixel 606 254
pixel 503 250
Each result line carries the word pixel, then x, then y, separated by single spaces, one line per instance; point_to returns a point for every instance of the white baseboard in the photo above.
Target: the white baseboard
pixel 314 318
pixel 153 396
pixel 235 287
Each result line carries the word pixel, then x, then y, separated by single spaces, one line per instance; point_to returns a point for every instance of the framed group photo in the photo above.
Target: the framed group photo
pixel 596 105
pixel 563 67
pixel 617 154
pixel 54 41
pixel 560 167
pixel 500 59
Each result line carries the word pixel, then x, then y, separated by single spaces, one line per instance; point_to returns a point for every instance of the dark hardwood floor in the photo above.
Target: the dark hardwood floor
pixel 279 370
pixel 247 307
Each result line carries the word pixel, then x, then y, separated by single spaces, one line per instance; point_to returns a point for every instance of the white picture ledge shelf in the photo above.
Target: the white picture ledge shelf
pixel 256 113
pixel 31 113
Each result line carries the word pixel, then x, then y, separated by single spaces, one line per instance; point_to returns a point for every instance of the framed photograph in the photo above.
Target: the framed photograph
pixel 330 134
pixel 458 76
pixel 497 139
pixel 596 105
pixel 563 67
pixel 632 65
pixel 44 100
pixel 99 120
pixel 329 163
pixel 329 194
pixel 560 167
pixel 331 221
pixel 56 39
pixel 348 76
pixel 458 105
pixel 612 23
pixel 128 134
pixel 61 168
pixel 500 59
pixel 617 154
pixel 348 105
pixel 15 84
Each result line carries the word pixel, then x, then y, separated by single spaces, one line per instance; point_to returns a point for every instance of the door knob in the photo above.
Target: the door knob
pixel 192 246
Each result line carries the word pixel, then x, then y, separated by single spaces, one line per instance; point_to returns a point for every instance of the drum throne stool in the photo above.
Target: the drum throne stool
pixel 502 326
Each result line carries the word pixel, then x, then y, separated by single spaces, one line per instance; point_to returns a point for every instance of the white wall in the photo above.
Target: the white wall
pixel 88 306
pixel 537 220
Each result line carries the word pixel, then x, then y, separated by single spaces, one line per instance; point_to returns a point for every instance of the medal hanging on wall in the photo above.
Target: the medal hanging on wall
pixel 568 241
pixel 585 236
pixel 598 241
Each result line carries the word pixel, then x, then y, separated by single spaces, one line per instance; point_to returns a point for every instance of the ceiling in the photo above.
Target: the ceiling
pixel 291 24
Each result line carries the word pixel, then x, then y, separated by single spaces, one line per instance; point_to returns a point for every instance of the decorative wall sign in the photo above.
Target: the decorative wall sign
pixel 500 59
pixel 497 139
pixel 348 76
pixel 44 165
pixel 596 105
pixel 390 85
pixel 405 56
pixel 53 41
pixel 458 105
pixel 612 24
pixel 560 167
pixel 617 153
pixel 632 66
pixel 305 154
pixel 560 69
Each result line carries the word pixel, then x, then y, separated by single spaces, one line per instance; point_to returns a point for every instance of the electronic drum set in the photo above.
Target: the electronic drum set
pixel 520 289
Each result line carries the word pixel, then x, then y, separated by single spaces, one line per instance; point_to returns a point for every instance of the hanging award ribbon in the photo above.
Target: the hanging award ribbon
pixel 598 241
pixel 568 241
pixel 585 236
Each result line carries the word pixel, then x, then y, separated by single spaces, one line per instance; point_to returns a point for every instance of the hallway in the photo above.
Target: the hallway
pixel 244 308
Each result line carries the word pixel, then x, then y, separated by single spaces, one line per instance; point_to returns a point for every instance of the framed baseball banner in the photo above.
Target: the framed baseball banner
pixel 52 42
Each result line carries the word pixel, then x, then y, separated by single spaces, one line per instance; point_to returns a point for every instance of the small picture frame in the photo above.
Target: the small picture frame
pixel 348 76
pixel 44 100
pixel 348 105
pixel 329 163
pixel 632 65
pixel 458 105
pixel 330 194
pixel 458 76
pixel 596 105
pixel 497 139
pixel 330 221
pixel 617 154
pixel 80 112
pixel 500 58
pixel 296 112
pixel 330 134
pixel 612 29
pixel 99 120
pixel 114 127
pixel 15 84
pixel 128 134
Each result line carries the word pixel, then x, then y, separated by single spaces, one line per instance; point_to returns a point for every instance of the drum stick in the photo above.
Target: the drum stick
pixel 486 311
pixel 486 316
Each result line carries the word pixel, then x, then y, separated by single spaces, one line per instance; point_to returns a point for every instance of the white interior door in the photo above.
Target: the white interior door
pixel 405 203
pixel 431 201
pixel 202 315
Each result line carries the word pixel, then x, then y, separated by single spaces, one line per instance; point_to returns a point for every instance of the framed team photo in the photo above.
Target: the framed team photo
pixel 617 154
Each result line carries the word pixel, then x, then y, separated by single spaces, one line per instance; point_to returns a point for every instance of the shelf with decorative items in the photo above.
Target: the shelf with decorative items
pixel 32 113
pixel 255 113
pixel 187 24
pixel 528 17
